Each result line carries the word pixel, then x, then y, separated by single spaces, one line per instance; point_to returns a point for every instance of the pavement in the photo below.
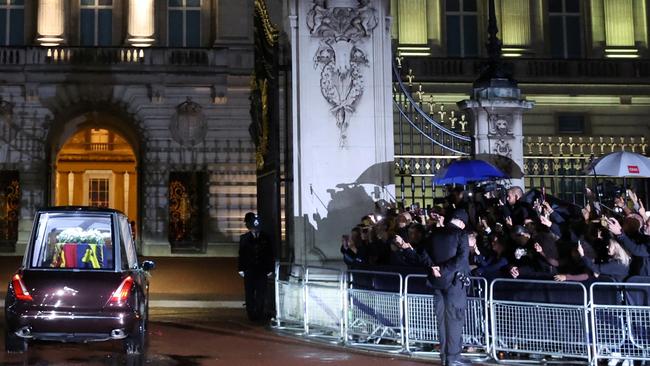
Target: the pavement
pixel 204 337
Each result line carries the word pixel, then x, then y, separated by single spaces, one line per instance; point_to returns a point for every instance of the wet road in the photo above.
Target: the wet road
pixel 216 337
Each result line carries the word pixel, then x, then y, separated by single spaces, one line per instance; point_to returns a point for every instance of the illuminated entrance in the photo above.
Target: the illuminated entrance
pixel 97 167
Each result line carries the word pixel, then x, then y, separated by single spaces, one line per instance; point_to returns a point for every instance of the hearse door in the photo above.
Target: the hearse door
pixel 130 262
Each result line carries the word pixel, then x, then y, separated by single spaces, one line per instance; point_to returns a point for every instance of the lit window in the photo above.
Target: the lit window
pixel 462 28
pixel 12 22
pixel 96 22
pixel 99 140
pixel 98 192
pixel 184 23
pixel 565 29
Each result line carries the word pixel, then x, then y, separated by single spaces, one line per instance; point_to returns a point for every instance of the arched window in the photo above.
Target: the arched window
pixel 564 27
pixel 462 28
pixel 12 22
pixel 96 22
pixel 184 23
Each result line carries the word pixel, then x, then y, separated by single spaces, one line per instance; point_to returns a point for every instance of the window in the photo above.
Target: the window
pixel 99 140
pixel 462 28
pixel 96 22
pixel 571 124
pixel 565 30
pixel 12 22
pixel 98 192
pixel 73 241
pixel 129 256
pixel 184 23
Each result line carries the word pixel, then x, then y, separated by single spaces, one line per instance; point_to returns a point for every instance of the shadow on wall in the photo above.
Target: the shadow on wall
pixel 347 204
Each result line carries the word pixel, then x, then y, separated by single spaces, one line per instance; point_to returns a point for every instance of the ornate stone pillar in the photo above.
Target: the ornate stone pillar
pixel 51 20
pixel 342 120
pixel 118 191
pixel 62 193
pixel 141 23
pixel 497 106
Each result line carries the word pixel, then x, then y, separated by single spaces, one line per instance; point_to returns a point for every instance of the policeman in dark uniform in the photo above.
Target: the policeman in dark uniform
pixel 256 264
pixel 446 256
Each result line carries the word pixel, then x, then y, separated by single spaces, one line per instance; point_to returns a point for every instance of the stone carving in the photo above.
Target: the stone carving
pixel 188 125
pixel 499 125
pixel 342 25
pixel 502 147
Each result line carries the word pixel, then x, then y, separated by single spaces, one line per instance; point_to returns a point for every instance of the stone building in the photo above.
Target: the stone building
pixel 140 105
pixel 144 105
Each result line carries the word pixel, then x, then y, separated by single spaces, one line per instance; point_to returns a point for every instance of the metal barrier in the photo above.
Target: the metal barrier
pixel 289 297
pixel 621 328
pixel 421 324
pixel 552 321
pixel 324 302
pixel 522 320
pixel 375 313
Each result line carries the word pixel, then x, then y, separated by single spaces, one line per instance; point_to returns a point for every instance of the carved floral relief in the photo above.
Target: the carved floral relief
pixel 342 25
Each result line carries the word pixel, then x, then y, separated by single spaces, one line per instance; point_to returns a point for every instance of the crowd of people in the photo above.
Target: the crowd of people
pixel 515 235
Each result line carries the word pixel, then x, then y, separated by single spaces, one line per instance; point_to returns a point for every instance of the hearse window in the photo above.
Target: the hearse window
pixel 127 245
pixel 73 242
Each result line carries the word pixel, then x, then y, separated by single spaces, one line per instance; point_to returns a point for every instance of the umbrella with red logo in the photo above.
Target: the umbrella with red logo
pixel 621 164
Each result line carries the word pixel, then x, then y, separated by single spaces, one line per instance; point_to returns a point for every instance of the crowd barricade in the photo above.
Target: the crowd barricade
pixel 621 321
pixel 541 320
pixel 375 316
pixel 324 303
pixel 510 320
pixel 289 297
pixel 421 324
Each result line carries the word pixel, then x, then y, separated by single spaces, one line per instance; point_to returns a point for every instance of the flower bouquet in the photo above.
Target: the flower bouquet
pixel 78 235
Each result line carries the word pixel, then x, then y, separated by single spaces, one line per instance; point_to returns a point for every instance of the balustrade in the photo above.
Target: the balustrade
pixel 92 56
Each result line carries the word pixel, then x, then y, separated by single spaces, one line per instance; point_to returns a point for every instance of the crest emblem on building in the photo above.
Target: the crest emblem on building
pixel 188 125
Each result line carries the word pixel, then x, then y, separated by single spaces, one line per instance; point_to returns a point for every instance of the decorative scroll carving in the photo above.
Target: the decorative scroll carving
pixel 188 125
pixel 342 25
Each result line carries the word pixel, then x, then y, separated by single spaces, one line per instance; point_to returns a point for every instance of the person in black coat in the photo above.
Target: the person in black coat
pixel 446 256
pixel 256 262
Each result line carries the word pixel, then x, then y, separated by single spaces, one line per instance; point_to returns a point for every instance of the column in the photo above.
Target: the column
pixel 515 27
pixel 62 188
pixel 619 29
pixel 141 23
pixel 78 188
pixel 327 131
pixel 118 190
pixel 51 21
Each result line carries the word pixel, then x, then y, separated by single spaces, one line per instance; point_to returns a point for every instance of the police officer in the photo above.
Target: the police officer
pixel 255 265
pixel 446 256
